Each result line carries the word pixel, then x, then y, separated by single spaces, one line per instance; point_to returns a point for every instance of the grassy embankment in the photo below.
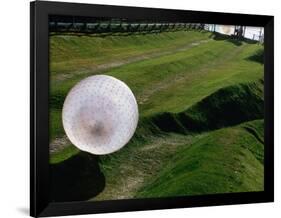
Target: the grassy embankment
pixel 187 86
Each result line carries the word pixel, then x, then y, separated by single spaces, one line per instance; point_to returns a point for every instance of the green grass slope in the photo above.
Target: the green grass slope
pixel 196 93
pixel 226 107
pixel 159 138
pixel 178 79
pixel 223 161
pixel 73 52
pixel 149 152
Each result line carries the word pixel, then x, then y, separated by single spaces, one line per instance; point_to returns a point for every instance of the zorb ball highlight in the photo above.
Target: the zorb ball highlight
pixel 100 114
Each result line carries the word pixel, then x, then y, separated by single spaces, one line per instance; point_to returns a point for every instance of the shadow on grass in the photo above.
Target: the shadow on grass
pixel 236 41
pixel 228 106
pixel 257 57
pixel 219 37
pixel 78 178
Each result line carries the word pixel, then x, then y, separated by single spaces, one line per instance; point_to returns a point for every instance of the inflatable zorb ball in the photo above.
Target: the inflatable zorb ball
pixel 100 114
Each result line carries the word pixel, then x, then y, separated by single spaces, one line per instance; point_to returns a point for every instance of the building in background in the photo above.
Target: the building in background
pixel 253 33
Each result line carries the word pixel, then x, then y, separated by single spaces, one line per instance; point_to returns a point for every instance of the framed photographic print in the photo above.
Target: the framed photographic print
pixel 140 108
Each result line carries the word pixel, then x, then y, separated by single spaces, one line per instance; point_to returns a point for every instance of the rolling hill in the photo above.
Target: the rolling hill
pixel 200 100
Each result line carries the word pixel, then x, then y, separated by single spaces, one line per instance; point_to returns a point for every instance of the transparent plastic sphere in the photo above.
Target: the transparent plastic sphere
pixel 100 114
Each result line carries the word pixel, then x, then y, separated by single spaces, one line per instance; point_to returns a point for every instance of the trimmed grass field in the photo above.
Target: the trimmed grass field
pixel 200 100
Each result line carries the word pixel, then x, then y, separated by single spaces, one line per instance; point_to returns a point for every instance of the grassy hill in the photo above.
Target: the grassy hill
pixel 197 95
pixel 223 161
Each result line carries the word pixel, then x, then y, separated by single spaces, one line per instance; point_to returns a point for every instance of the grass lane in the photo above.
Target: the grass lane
pixel 71 53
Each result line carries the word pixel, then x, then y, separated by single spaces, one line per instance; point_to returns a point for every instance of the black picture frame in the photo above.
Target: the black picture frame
pixel 40 204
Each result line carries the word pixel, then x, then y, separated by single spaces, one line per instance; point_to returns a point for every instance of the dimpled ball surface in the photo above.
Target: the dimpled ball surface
pixel 100 114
